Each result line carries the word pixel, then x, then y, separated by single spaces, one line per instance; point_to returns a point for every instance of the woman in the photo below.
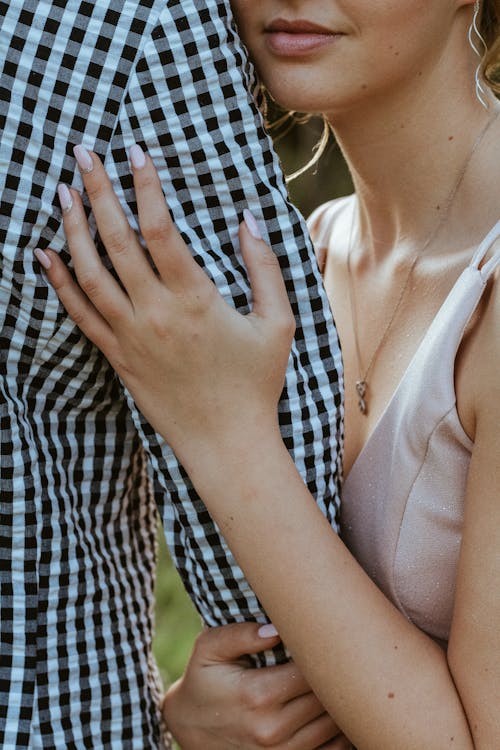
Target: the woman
pixel 396 629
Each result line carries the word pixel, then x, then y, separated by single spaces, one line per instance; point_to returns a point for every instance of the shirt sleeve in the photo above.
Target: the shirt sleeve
pixel 174 77
pixel 190 104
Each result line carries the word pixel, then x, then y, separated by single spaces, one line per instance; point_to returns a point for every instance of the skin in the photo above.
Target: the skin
pixel 354 648
pixel 222 702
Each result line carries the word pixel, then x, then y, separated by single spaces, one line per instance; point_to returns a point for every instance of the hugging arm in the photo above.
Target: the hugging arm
pixel 223 702
pixel 385 682
pixel 273 707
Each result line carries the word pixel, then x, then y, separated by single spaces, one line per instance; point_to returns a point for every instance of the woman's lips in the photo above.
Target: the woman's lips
pixel 296 38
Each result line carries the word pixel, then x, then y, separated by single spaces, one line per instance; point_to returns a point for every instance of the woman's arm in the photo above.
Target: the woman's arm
pixel 474 647
pixel 209 380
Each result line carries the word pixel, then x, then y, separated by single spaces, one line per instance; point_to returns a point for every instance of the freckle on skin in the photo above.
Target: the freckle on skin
pixel 390 695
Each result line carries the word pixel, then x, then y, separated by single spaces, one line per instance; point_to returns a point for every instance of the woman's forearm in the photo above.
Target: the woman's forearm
pixel 384 681
pixel 209 380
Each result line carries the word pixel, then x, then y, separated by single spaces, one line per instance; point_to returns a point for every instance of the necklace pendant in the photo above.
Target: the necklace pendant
pixel 361 391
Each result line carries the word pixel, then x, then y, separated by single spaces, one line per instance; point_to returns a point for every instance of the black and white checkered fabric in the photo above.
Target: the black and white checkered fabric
pixel 77 517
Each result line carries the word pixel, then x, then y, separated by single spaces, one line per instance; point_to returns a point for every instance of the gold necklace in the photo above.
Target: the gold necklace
pixel 362 381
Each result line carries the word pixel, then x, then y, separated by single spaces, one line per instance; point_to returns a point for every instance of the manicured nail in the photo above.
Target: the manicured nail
pixel 137 157
pixel 42 258
pixel 252 225
pixel 65 198
pixel 267 631
pixel 83 159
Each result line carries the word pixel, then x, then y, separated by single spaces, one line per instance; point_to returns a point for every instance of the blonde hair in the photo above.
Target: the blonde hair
pixel 279 123
pixel 490 30
pixel 287 122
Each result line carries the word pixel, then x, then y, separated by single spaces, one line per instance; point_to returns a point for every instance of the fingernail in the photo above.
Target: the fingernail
pixel 65 198
pixel 42 258
pixel 252 225
pixel 137 157
pixel 83 159
pixel 267 631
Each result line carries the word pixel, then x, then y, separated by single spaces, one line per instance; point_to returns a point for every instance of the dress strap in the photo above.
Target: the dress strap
pixel 494 261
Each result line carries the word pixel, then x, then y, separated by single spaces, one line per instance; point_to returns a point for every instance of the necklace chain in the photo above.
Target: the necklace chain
pixel 361 384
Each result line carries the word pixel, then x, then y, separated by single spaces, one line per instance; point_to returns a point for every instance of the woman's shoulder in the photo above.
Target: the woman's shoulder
pixel 325 220
pixel 488 338
pixel 477 379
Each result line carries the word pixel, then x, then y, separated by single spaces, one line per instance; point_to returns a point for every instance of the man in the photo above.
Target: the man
pixel 78 518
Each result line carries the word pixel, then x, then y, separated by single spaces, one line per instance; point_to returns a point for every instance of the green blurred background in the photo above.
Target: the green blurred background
pixel 177 622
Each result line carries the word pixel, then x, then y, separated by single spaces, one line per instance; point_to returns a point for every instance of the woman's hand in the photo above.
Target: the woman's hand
pixel 201 373
pixel 222 703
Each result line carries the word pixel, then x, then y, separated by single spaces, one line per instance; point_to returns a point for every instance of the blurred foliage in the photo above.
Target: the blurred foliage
pixel 177 622
pixel 327 179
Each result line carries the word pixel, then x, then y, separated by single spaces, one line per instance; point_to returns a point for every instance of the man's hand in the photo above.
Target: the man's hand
pixel 222 703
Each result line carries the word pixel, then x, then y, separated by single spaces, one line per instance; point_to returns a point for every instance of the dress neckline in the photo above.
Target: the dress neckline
pixel 474 271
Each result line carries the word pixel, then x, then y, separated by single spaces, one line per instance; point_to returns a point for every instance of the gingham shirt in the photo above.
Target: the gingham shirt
pixel 77 520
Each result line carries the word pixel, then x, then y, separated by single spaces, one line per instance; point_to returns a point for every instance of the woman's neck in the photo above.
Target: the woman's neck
pixel 407 152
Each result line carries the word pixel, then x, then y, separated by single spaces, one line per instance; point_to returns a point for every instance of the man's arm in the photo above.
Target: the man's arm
pixel 190 105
